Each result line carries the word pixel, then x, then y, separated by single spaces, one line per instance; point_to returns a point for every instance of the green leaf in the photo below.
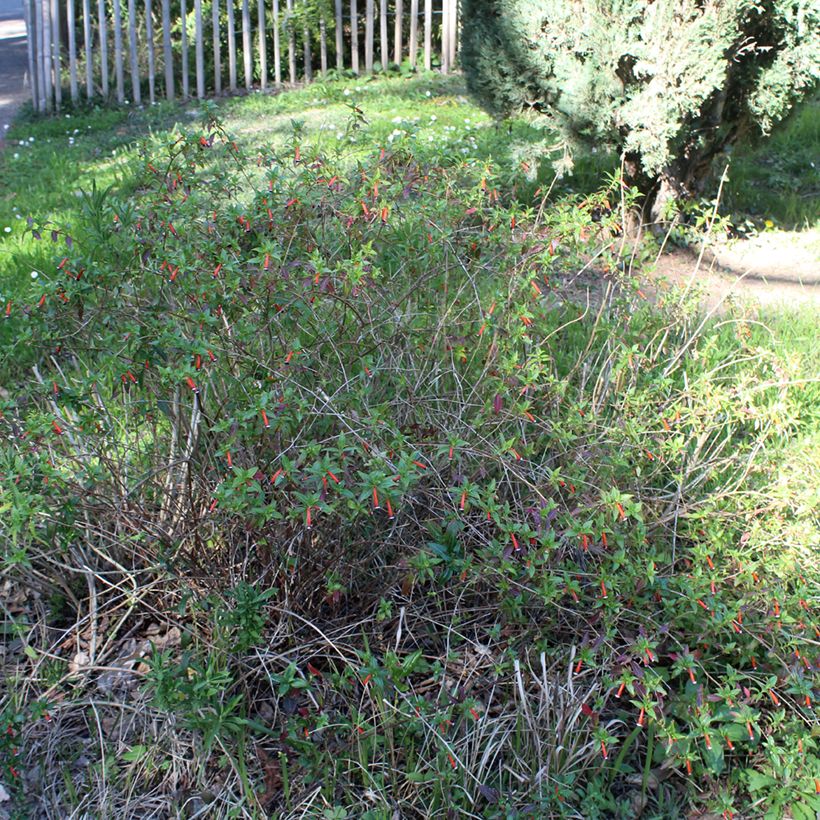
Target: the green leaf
pixel 758 780
pixel 134 754
pixel 800 811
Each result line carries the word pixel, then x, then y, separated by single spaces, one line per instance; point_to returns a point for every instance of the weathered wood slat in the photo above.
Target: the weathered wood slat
pixel 87 50
pixel 453 32
pixel 45 52
pixel 263 46
pixel 246 43
pixel 217 48
pixel 119 68
pixel 277 46
pixel 385 47
pixel 397 32
pixel 71 23
pixel 368 37
pixel 340 42
pixel 231 46
pixel 428 34
pixel 55 50
pixel 291 43
pixel 31 40
pixel 133 54
pixel 445 38
pixel 323 45
pixel 167 54
pixel 307 55
pixel 414 32
pixel 199 50
pixel 152 59
pixel 354 37
pixel 186 72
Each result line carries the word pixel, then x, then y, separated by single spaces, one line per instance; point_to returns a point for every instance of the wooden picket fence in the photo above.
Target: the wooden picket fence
pixel 138 50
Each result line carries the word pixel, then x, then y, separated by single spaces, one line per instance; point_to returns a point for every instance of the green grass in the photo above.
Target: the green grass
pixel 779 180
pixel 60 156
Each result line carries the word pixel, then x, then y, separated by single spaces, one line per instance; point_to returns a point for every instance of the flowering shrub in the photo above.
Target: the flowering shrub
pixel 472 521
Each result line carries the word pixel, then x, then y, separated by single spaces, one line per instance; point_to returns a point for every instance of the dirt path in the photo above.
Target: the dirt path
pixel 776 268
pixel 13 63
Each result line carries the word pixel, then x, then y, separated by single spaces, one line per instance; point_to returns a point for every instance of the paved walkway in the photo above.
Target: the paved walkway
pixel 13 62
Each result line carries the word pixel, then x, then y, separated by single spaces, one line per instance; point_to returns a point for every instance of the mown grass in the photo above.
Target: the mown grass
pixel 451 524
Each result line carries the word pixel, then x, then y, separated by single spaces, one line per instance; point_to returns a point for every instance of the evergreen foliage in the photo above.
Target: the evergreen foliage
pixel 670 83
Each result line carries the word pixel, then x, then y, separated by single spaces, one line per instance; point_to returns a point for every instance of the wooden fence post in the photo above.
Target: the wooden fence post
pixel 445 37
pixel 55 49
pixel 44 14
pixel 89 63
pixel 71 22
pixel 136 91
pixel 453 31
pixel 354 37
pixel 428 34
pixel 263 47
pixel 217 48
pixel 414 32
pixel 186 72
pixel 277 46
pixel 368 36
pixel 246 44
pixel 31 41
pixel 397 32
pixel 340 43
pixel 199 50
pixel 306 49
pixel 291 43
pixel 385 48
pixel 323 45
pixel 152 61
pixel 119 70
pixel 231 45
pixel 166 49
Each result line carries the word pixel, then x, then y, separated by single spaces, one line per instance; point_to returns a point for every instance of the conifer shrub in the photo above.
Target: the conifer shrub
pixel 669 84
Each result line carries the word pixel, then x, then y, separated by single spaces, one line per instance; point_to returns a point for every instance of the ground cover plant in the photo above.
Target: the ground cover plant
pixel 340 481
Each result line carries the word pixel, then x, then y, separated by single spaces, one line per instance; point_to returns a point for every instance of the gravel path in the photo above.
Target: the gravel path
pixel 13 62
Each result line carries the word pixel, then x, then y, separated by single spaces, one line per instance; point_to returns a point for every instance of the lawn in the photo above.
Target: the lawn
pixel 348 471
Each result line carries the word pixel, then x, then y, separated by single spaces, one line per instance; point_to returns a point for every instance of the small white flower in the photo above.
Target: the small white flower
pixel 433 118
pixel 34 274
pixel 347 92
pixel 427 94
pixel 16 156
pixel 7 229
